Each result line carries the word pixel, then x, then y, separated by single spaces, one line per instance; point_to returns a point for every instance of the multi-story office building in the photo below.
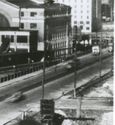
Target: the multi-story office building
pixel 53 22
pixel 82 12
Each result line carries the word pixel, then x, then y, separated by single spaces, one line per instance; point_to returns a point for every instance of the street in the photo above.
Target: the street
pixel 53 90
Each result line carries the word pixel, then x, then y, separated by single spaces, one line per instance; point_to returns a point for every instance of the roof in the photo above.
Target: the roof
pixel 32 4
pixel 23 3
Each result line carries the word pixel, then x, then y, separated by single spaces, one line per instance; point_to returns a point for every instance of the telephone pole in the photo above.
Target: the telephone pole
pixel 74 37
pixel 44 61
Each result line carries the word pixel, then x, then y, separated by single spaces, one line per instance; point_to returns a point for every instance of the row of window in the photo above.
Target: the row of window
pixel 32 14
pixel 60 52
pixel 82 22
pixel 20 39
pixel 81 17
pixel 32 25
pixel 81 27
pixel 82 11
pixel 81 6
pixel 87 28
pixel 58 45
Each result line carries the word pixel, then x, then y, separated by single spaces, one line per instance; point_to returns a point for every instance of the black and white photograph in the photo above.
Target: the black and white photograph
pixel 57 62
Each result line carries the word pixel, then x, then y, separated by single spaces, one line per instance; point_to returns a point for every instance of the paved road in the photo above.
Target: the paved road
pixel 35 79
pixel 52 90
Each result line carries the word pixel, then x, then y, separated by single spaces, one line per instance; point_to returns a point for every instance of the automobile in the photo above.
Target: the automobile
pixel 15 97
pixel 110 49
pixel 95 50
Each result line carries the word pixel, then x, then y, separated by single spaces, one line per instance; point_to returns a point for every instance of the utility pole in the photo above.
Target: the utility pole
pixel 100 56
pixel 75 73
pixel 44 61
pixel 74 37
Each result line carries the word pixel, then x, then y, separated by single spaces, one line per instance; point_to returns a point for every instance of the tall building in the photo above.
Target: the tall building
pixel 53 22
pixel 82 12
pixel 107 10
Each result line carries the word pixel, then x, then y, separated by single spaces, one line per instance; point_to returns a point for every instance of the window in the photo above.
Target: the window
pixel 22 39
pixel 12 39
pixel 22 13
pixel 87 22
pixel 22 25
pixel 87 28
pixel 33 25
pixel 75 22
pixel 87 17
pixel 33 14
pixel 81 27
pixel 81 22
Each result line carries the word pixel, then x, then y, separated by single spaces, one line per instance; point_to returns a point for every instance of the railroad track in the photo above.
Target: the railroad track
pixel 80 91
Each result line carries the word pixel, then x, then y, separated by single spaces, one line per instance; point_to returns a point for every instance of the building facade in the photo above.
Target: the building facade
pixel 82 12
pixel 53 23
pixel 8 18
pixel 107 10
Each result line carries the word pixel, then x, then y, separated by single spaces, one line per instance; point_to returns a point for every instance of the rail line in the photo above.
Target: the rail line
pixel 96 80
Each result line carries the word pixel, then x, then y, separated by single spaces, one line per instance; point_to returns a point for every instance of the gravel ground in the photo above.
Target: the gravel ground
pixel 101 117
pixel 103 90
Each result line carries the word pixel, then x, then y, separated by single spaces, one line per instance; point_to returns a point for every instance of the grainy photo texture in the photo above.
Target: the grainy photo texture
pixel 56 62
